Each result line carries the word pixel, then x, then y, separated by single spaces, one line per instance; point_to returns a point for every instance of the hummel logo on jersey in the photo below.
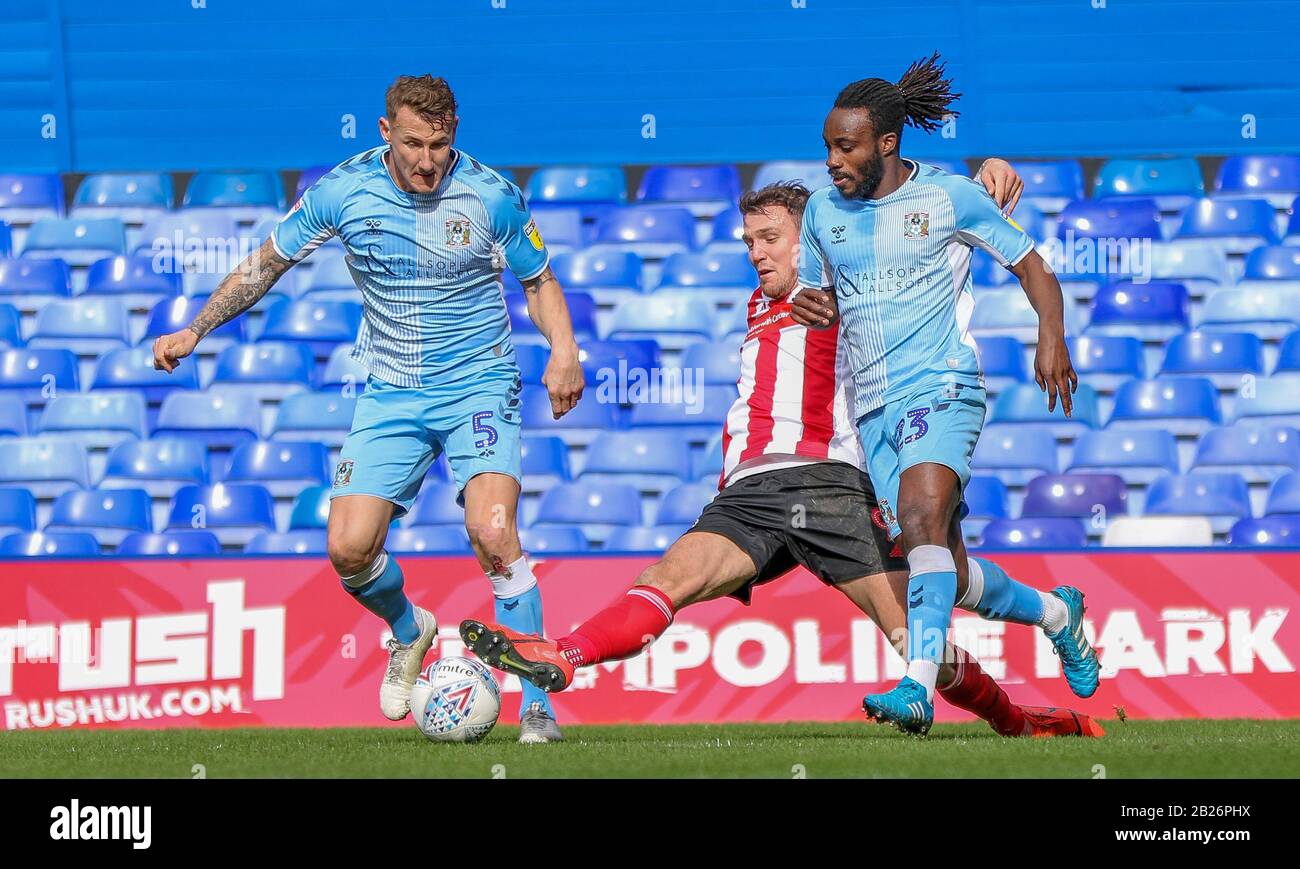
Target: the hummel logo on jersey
pixel 372 226
pixel 838 232
pixel 458 232
pixel 916 224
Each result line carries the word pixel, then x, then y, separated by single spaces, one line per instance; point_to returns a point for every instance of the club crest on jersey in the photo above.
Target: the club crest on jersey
pixel 458 232
pixel 916 224
pixel 533 234
pixel 343 473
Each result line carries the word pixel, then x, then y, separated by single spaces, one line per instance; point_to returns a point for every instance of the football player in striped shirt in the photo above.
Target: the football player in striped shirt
pixel 793 492
pixel 427 229
pixel 885 251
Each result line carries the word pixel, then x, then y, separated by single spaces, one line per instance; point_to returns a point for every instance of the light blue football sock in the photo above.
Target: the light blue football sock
pixel 994 595
pixel 931 591
pixel 521 611
pixel 379 589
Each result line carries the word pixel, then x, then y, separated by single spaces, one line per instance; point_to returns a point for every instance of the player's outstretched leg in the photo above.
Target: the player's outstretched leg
pixel 972 689
pixel 536 660
pixel 358 526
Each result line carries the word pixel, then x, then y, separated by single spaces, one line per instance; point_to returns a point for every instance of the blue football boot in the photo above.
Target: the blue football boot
pixel 1078 658
pixel 906 707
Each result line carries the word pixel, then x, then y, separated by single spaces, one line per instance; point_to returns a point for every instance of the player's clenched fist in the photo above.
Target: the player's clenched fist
pixel 814 309
pixel 169 350
pixel 564 381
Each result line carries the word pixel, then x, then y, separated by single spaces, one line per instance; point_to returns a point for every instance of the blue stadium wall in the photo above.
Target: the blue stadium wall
pixel 159 84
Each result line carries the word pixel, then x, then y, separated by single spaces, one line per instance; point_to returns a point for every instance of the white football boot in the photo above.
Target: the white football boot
pixel 538 728
pixel 404 665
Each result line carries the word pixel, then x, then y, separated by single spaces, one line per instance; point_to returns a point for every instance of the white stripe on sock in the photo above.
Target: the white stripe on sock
pixel 654 599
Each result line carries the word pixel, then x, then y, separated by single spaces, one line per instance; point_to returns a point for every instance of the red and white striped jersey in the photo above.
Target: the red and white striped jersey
pixel 796 397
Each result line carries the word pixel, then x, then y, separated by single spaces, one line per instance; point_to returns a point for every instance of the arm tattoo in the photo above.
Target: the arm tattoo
pixel 533 285
pixel 241 289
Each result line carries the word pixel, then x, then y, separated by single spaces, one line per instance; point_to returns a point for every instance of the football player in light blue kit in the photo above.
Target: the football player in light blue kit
pixel 427 230
pixel 892 241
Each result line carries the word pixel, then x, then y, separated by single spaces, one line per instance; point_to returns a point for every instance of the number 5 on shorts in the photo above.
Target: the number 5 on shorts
pixel 480 427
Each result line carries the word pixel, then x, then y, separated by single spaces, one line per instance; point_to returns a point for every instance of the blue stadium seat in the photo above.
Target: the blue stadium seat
pixel 683 504
pixel 27 198
pixel 175 314
pixel 1182 405
pixel 673 318
pixel 6 240
pixel 706 190
pixel 220 422
pixel 596 507
pixel 699 420
pixel 160 466
pixel 653 461
pixel 10 326
pixel 544 463
pixel 1137 455
pixel 342 370
pixel 651 538
pixel 1172 181
pixel 284 468
pixel 13 416
pixel 94 420
pixel 132 368
pixel 190 541
pixel 319 325
pixel 1278 531
pixel 30 283
pixel 811 173
pixel 1105 362
pixel 247 196
pixel 720 361
pixel 204 244
pixel 1035 533
pixel 582 312
pixel 1051 184
pixel 562 227
pixel 78 242
pixel 1016 455
pixel 1284 496
pixel 311 509
pixel 308 541
pixel 557 538
pixel 728 226
pixel 731 271
pixel 17 511
pixel 606 273
pixel 444 540
pixel 1025 405
pixel 266 370
pixel 133 281
pixel 1008 313
pixel 1113 218
pixel 1258 452
pixel 577 427
pixel 578 185
pixel 987 499
pixel 603 360
pixel 108 514
pixel 1201 268
pixel 1075 495
pixel 38 544
pixel 45 467
pixel 1288 355
pixel 531 359
pixel 650 231
pixel 1238 223
pixel 1273 263
pixel 1222 498
pixel 28 373
pixel 323 416
pixel 1275 177
pixel 1268 313
pixel 1150 312
pixel 706 466
pixel 437 505
pixel 1223 357
pixel 1275 400
pixel 330 277
pixel 87 327
pixel 235 512
pixel 130 196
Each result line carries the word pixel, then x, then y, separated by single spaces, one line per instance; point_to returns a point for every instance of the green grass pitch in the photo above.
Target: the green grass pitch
pixel 1136 749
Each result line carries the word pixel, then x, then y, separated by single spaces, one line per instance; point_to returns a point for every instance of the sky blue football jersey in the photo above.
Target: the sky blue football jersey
pixel 900 268
pixel 428 265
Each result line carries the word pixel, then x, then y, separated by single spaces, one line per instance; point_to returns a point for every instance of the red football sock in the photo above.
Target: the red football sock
pixel 620 631
pixel 975 691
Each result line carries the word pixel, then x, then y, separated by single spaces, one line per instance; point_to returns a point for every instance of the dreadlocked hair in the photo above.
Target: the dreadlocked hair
pixel 920 98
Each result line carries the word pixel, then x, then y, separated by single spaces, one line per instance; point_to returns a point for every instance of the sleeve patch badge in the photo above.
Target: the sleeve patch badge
pixel 533 234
